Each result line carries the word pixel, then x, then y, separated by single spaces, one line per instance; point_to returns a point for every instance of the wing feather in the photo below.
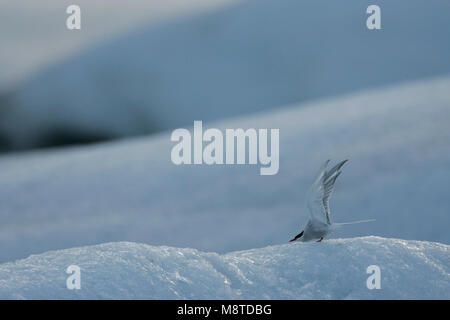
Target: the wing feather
pixel 321 190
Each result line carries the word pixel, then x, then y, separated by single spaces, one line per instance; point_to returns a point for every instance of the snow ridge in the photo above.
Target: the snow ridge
pixel 334 269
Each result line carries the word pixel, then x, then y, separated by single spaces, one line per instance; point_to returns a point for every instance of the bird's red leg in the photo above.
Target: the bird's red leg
pixel 321 238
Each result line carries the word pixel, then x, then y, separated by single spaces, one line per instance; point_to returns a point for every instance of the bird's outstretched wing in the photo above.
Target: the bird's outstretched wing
pixel 320 191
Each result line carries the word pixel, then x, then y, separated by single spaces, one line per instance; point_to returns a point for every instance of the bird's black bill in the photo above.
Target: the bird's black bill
pixel 297 236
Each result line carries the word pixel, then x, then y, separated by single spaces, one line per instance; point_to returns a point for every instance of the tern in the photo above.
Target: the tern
pixel 320 225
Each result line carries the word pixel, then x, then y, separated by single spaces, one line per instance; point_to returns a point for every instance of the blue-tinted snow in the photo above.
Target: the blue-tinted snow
pixel 334 269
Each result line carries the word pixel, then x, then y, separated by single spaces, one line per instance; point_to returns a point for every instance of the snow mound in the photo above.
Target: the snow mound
pixel 334 269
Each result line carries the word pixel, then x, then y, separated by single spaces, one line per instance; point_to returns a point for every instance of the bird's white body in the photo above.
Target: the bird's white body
pixel 315 229
pixel 320 225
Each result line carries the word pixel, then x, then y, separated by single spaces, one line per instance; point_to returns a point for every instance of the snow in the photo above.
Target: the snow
pixel 34 39
pixel 397 140
pixel 253 56
pixel 334 269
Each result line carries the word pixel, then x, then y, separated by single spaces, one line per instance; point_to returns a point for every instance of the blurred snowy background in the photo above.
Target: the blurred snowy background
pixel 137 69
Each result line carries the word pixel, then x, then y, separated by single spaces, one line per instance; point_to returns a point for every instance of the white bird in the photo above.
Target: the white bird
pixel 320 225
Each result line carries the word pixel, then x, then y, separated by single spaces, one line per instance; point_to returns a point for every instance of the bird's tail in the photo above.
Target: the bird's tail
pixel 353 222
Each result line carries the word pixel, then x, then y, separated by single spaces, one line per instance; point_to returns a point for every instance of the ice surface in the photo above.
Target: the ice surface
pixel 397 140
pixel 334 269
